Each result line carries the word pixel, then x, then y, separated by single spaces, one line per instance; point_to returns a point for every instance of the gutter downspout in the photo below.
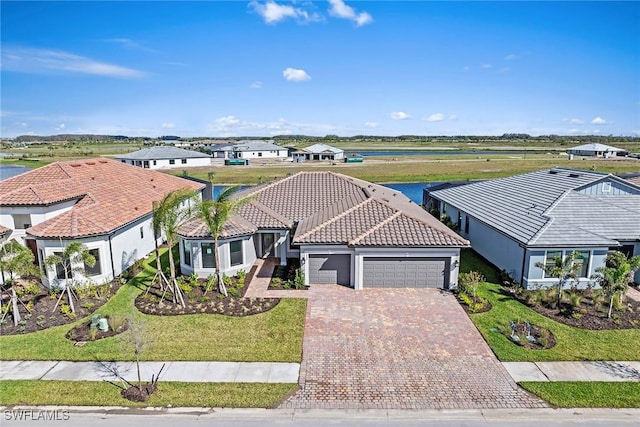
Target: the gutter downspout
pixel 113 269
pixel 524 258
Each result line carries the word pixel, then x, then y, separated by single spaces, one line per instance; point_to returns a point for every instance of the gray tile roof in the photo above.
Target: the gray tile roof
pixel 321 148
pixel 540 208
pixel 162 152
pixel 331 208
pixel 595 146
pixel 247 145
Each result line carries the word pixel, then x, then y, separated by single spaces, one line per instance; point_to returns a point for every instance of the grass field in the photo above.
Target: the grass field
pixel 587 394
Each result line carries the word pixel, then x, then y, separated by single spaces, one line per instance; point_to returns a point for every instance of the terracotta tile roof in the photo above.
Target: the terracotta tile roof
pixel 108 194
pixel 236 226
pixel 332 208
pixel 4 230
pixel 635 180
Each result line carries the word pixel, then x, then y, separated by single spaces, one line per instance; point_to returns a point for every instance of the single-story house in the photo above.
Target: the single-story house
pixel 318 152
pixel 102 203
pixel 343 230
pixel 634 180
pixel 595 150
pixel 248 150
pixel 165 157
pixel 522 220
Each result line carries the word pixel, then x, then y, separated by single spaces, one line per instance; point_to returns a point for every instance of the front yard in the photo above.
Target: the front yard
pixel 571 344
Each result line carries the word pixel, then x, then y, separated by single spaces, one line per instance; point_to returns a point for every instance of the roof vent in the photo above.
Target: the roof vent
pixel 574 175
pixel 553 172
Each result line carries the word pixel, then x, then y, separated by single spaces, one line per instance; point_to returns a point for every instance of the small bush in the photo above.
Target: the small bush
pixel 276 282
pixel 116 322
pixel 575 299
pixel 233 292
pixel 88 305
pixel 205 299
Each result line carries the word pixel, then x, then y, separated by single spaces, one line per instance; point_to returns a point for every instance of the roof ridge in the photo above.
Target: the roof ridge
pixel 547 214
pixel 366 234
pixel 334 219
pixel 267 210
pixel 260 189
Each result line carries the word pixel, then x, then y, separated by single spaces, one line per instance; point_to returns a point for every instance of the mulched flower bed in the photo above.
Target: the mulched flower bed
pixel 85 333
pixel 283 276
pixel 480 306
pixel 588 314
pixel 197 301
pixel 533 337
pixel 41 304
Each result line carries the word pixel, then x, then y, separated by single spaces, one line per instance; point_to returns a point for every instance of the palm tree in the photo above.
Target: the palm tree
pixel 616 275
pixel 215 214
pixel 17 261
pixel 73 259
pixel 563 270
pixel 168 216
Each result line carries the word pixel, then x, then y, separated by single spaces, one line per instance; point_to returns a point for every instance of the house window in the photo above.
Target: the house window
pixel 550 262
pixel 208 256
pixel 60 267
pixel 96 270
pixel 235 248
pixel 606 187
pixel 186 252
pixel 172 161
pixel 260 154
pixel 41 261
pixel 582 260
pixel 155 162
pixel 466 224
pixel 22 221
pixel 142 232
pixel 183 161
pixel 146 164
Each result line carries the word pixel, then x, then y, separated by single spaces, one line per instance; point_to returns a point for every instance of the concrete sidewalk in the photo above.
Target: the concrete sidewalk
pixel 573 371
pixel 246 372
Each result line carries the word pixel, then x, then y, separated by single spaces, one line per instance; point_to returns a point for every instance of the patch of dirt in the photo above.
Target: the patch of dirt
pixel 590 312
pixel 198 301
pixel 85 332
pixel 533 337
pixel 40 302
pixel 283 276
pixel 141 394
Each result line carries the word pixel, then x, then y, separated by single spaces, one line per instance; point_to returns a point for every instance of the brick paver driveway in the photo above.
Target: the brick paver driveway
pixel 398 348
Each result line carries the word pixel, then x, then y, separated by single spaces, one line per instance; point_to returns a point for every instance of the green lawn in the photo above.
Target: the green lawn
pixel 587 394
pixel 274 336
pixel 95 393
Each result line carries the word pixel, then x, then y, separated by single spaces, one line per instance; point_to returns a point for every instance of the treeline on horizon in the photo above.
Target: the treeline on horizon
pixel 516 137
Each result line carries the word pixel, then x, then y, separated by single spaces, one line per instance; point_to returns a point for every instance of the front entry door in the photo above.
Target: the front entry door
pixel 268 248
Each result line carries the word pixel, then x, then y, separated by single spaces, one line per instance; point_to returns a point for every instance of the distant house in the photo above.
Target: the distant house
pixel 103 203
pixel 318 152
pixel 165 157
pixel 343 230
pixel 595 150
pixel 518 221
pixel 248 150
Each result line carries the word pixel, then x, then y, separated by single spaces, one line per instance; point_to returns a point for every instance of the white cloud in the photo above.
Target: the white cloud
pixel 272 12
pixel 437 117
pixel 505 69
pixel 28 60
pixel 168 125
pixel 371 125
pixel 486 66
pixel 599 121
pixel 233 126
pixel 256 85
pixel 61 126
pixel 340 10
pixel 574 131
pixel 399 115
pixel 296 75
pixel 596 131
pixel 636 131
pixel 511 57
pixel 228 121
pixel 130 44
pixel 453 117
pixel 573 121
pixel 465 68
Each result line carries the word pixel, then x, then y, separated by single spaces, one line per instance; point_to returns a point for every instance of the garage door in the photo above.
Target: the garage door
pixel 330 269
pixel 405 272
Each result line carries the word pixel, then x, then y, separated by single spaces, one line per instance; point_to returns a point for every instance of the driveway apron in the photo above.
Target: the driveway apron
pixel 398 349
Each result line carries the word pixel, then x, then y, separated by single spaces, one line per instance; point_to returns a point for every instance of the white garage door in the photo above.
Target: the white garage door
pixel 330 269
pixel 405 272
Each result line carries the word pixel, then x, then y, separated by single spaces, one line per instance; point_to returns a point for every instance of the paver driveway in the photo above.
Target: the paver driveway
pixel 398 348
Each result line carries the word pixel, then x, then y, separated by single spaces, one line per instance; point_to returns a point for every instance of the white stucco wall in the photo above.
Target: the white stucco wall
pixel 166 164
pixel 248 257
pixel 265 154
pixel 534 275
pixel 37 214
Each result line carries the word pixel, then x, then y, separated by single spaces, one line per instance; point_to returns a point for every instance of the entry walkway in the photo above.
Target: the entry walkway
pixel 573 371
pixel 214 372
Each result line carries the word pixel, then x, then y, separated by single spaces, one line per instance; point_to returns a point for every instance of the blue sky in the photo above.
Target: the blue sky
pixel 237 68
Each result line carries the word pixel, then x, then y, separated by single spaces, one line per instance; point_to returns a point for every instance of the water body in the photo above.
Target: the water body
pixel 431 153
pixel 9 171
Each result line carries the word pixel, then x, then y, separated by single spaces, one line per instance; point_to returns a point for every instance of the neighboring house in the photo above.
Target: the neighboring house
pixel 635 180
pixel 318 152
pixel 595 150
pixel 165 157
pixel 101 203
pixel 343 230
pixel 248 150
pixel 518 221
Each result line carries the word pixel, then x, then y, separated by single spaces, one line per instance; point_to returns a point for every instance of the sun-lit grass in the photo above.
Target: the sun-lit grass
pixel 587 394
pixel 274 336
pixel 176 394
